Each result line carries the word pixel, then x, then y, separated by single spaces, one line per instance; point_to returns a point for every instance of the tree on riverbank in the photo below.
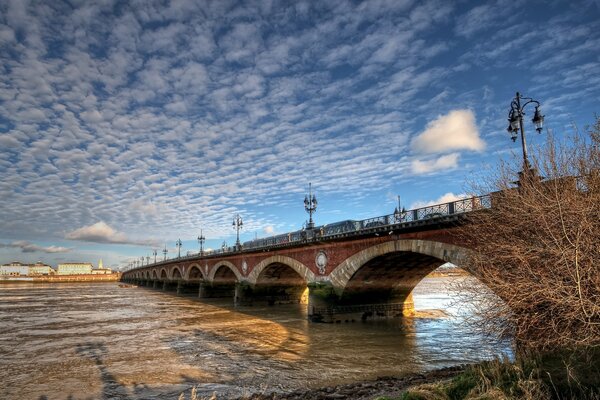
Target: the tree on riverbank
pixel 538 248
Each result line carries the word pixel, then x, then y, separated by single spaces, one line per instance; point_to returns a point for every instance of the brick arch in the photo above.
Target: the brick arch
pixel 342 274
pixel 189 271
pixel 166 274
pixel 154 274
pixel 296 265
pixel 233 268
pixel 176 267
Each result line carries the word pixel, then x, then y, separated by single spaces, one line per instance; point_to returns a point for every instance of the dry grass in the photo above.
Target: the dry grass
pixel 538 249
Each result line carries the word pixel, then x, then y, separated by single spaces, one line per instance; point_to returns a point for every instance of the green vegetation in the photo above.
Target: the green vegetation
pixel 557 376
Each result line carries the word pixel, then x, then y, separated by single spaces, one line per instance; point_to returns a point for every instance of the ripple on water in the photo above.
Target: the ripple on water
pixel 94 340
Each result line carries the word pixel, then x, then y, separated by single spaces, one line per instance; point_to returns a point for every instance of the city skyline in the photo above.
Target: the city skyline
pixel 124 128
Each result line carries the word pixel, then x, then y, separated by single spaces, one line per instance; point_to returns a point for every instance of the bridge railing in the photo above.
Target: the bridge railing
pixel 427 214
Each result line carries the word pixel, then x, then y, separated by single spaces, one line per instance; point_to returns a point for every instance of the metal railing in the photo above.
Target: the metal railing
pixel 418 216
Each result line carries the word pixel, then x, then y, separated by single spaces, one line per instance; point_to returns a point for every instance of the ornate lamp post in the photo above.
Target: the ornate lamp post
pixel 399 212
pixel 165 251
pixel 201 240
pixel 178 244
pixel 310 205
pixel 515 118
pixel 154 253
pixel 237 225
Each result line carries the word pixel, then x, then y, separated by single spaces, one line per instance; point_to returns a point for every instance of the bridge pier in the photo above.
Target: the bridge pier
pixel 325 305
pixel 187 288
pixel 169 286
pixel 247 294
pixel 215 290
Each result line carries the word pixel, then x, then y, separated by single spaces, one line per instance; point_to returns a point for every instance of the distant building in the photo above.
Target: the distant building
pixel 74 268
pixel 15 268
pixel 39 268
pixel 101 270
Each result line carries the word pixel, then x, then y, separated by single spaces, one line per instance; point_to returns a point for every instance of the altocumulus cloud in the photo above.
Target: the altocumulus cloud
pixel 445 198
pixel 27 247
pixel 454 131
pixel 447 162
pixel 100 232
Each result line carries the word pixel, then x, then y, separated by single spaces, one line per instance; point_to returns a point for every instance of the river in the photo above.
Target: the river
pixel 100 341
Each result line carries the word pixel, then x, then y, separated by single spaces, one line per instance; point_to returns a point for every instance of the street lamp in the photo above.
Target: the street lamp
pixel 310 205
pixel 399 212
pixel 165 251
pixel 237 225
pixel 178 244
pixel 515 118
pixel 154 253
pixel 201 240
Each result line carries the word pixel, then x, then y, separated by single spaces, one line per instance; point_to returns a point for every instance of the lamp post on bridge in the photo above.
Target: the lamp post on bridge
pixel 165 251
pixel 201 240
pixel 237 225
pixel 147 260
pixel 515 118
pixel 310 205
pixel 154 253
pixel 178 244
pixel 399 213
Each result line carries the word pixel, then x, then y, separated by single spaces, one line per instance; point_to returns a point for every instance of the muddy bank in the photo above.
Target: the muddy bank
pixel 365 390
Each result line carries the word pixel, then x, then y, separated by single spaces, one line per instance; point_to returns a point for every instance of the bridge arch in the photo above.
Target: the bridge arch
pixel 163 274
pixel 294 264
pixel 176 273
pixel 154 274
pixel 194 272
pixel 224 264
pixel 432 252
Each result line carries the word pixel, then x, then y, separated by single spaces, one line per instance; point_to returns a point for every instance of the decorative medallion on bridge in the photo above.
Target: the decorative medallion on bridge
pixel 244 267
pixel 321 261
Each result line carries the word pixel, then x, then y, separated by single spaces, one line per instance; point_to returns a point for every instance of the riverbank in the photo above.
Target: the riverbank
pixel 61 278
pixel 387 387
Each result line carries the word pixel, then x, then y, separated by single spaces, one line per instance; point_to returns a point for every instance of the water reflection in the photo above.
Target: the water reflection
pixel 101 341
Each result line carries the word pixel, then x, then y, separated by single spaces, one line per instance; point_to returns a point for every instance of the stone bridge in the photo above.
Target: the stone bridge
pixel 365 273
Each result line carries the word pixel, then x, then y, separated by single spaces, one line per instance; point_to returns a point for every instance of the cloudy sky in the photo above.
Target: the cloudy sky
pixel 125 126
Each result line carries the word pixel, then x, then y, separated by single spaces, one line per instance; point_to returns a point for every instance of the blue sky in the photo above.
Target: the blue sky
pixel 127 125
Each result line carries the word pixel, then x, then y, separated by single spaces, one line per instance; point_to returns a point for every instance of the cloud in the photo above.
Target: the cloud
pixel 27 247
pixel 100 232
pixel 269 230
pixel 453 131
pixel 447 162
pixel 445 198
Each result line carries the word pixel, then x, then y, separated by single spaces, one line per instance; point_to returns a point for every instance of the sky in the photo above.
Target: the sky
pixel 125 126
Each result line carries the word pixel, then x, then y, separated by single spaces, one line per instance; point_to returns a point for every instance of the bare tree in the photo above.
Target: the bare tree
pixel 538 247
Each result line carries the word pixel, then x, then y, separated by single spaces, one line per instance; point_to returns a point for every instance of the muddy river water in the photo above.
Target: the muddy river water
pixel 101 341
